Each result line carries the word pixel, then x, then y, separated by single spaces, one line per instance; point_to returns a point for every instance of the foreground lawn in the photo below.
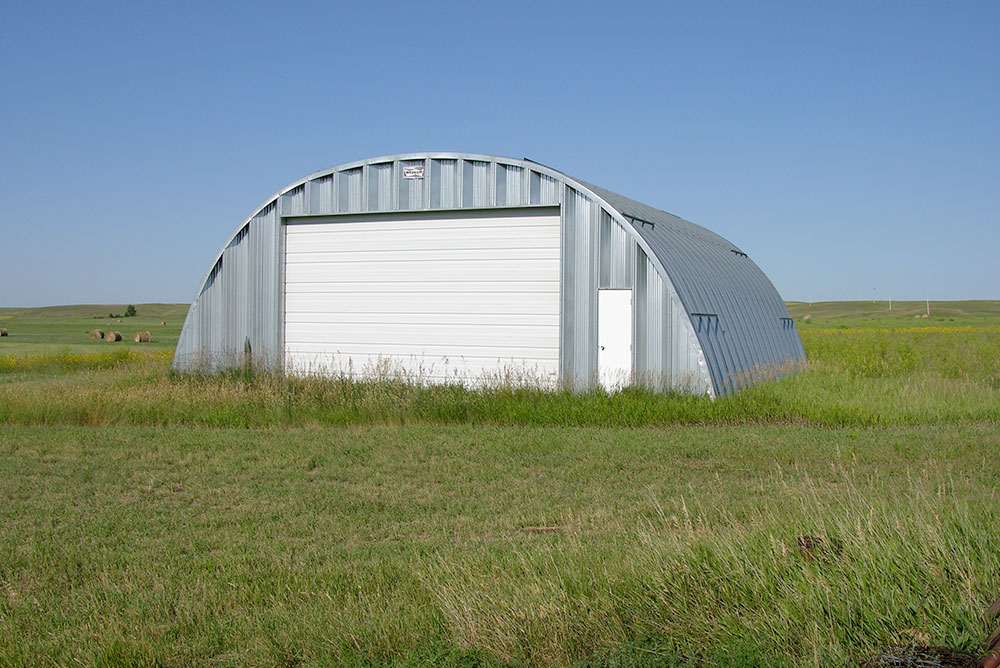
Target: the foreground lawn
pixel 467 545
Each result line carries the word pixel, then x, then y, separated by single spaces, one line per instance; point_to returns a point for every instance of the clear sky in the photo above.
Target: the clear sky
pixel 845 146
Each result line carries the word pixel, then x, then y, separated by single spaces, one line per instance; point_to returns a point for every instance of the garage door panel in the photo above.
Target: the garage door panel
pixel 342 360
pixel 419 255
pixel 398 225
pixel 333 307
pixel 417 287
pixel 431 240
pixel 462 337
pixel 430 373
pixel 496 269
pixel 452 299
pixel 334 324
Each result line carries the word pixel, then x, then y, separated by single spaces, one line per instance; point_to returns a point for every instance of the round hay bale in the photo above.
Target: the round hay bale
pixel 118 320
pixel 163 322
pixel 142 337
pixel 807 317
pixel 112 336
pixel 925 316
pixel 97 334
pixel 918 316
pixel 3 332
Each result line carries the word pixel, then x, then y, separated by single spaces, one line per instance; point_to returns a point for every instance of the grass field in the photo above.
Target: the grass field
pixel 64 330
pixel 148 518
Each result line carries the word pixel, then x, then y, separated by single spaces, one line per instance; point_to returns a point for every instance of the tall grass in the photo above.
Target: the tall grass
pixel 854 378
pixel 68 362
pixel 735 587
pixel 963 353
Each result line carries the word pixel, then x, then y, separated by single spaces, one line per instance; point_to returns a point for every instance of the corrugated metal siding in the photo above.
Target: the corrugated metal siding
pixel 510 186
pixel 411 191
pixel 380 187
pixel 550 190
pixel 579 289
pixel 351 190
pixel 293 203
pixel 265 288
pixel 238 301
pixel 444 188
pixel 241 298
pixel 321 194
pixel 617 250
pixel 477 184
pixel 667 354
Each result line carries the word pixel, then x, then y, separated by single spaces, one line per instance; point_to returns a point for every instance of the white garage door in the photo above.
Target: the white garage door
pixel 468 297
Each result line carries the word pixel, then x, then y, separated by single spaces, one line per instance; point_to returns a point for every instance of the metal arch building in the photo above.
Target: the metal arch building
pixel 457 265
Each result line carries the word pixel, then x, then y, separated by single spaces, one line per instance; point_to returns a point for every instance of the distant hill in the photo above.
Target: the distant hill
pixel 66 329
pixel 88 311
pixel 877 314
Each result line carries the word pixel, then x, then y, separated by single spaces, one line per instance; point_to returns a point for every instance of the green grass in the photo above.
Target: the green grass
pixel 150 518
pixel 144 393
pixel 525 546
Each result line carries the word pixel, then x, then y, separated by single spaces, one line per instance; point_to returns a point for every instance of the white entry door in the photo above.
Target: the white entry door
pixel 466 297
pixel 614 338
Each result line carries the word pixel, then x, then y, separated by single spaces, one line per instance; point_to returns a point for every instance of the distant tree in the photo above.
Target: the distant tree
pixel 129 311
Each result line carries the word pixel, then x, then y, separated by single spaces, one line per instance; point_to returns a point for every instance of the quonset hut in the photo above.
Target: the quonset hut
pixel 454 267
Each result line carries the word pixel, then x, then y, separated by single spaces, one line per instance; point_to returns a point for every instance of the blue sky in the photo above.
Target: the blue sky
pixel 845 146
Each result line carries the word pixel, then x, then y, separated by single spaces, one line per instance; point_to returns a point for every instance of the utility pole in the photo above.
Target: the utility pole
pixel 927 296
pixel 890 300
pixel 873 295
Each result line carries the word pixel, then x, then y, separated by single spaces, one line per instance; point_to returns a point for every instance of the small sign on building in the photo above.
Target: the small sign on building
pixel 413 172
